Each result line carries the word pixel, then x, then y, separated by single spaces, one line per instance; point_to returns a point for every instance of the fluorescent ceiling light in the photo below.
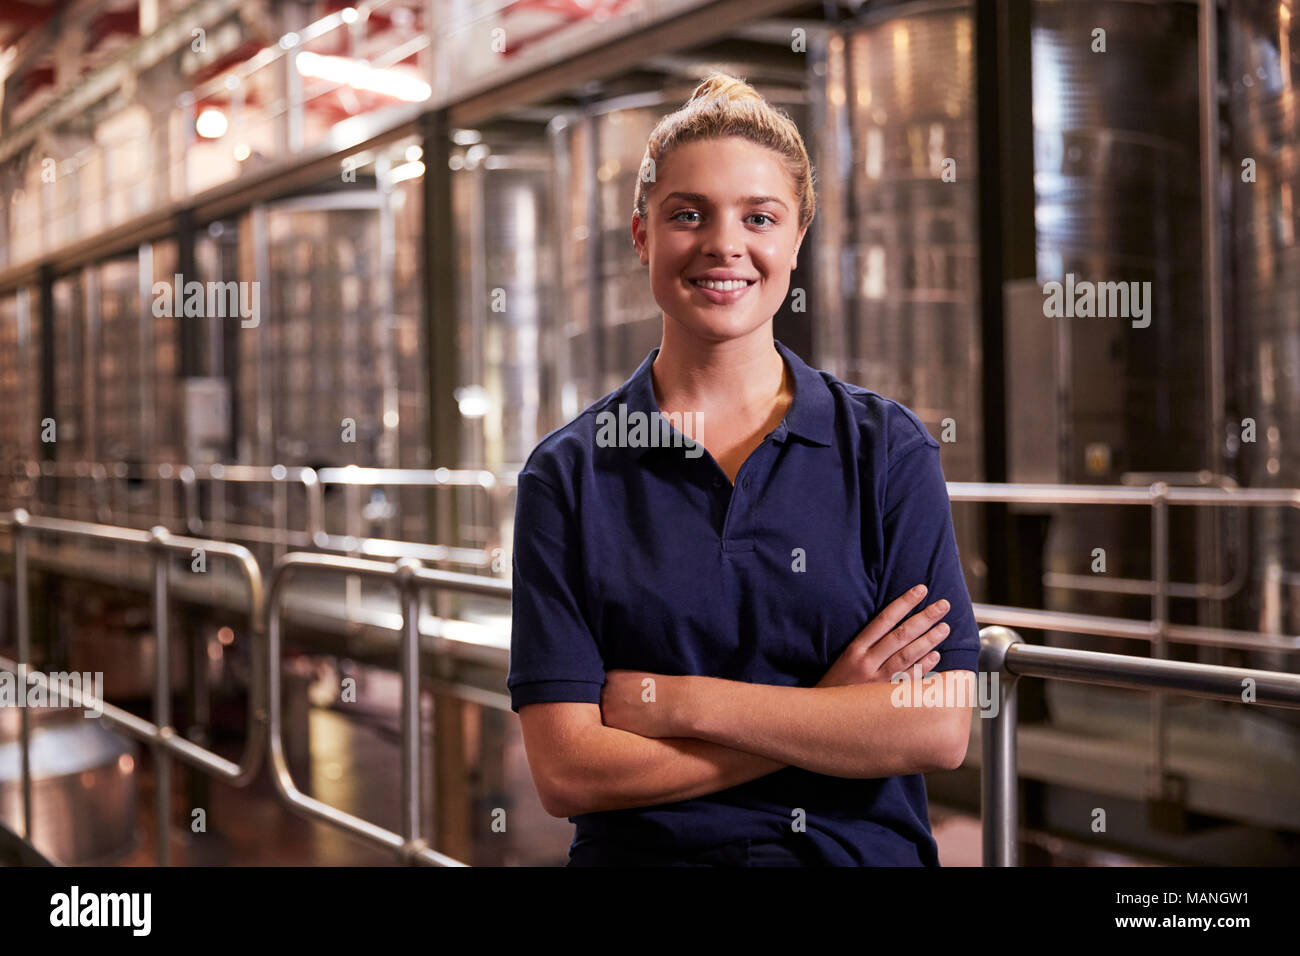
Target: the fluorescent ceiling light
pixel 360 75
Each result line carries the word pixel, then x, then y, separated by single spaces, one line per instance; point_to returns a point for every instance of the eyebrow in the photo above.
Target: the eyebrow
pixel 703 200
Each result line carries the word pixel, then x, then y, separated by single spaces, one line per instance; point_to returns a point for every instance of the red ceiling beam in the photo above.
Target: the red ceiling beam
pixel 109 22
pixel 25 15
pixel 34 79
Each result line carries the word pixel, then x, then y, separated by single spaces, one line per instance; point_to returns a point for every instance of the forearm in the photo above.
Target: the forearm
pixel 617 770
pixel 845 731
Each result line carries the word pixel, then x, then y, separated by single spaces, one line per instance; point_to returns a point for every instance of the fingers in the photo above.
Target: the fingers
pixel 893 612
pixel 912 640
pixel 920 651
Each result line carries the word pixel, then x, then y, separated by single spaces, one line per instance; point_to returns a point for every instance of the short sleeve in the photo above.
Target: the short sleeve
pixel 553 654
pixel 921 548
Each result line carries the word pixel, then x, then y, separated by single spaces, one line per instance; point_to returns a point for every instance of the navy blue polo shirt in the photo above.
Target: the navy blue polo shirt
pixel 642 555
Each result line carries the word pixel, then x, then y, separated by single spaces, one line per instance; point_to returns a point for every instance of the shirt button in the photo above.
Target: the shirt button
pixel 746 483
pixel 717 482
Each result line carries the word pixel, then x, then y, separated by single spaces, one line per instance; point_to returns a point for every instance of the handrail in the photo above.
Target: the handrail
pixel 264 720
pixel 1005 656
pixel 500 484
pixel 1220 591
pixel 1078 494
pixel 410 579
pixel 1002 654
pixel 1098 626
pixel 1158 496
pixel 160 734
pixel 496 487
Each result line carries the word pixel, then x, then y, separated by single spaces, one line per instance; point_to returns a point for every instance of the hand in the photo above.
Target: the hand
pixel 642 703
pixel 882 650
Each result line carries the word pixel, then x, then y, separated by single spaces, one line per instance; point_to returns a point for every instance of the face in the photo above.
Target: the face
pixel 720 206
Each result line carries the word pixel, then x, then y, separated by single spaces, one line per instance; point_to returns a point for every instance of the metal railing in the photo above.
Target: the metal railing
pixel 104 489
pixel 410 579
pixel 264 701
pixel 497 488
pixel 1159 631
pixel 1008 658
pixel 1002 653
pixel 160 734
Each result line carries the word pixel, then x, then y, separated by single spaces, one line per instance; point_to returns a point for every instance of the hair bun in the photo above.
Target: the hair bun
pixel 724 85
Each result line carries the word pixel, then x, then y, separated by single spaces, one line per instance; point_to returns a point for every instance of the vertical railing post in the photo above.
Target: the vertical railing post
pixel 190 490
pixel 279 510
pixel 352 583
pixel 999 797
pixel 162 700
pixel 1160 617
pixel 167 494
pixel 409 590
pixel 315 506
pixel 217 473
pixel 23 628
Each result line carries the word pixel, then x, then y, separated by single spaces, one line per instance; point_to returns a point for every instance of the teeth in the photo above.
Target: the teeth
pixel 725 286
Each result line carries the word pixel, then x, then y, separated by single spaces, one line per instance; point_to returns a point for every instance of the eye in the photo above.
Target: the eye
pixel 768 220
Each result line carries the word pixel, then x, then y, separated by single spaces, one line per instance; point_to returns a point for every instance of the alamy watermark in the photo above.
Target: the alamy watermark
pixel 636 429
pixel 30 688
pixel 220 300
pixel 74 908
pixel 911 689
pixel 1085 299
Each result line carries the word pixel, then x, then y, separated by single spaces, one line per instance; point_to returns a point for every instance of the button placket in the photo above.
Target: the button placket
pixel 741 539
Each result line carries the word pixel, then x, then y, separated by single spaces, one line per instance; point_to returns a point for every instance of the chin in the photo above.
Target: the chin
pixel 719 326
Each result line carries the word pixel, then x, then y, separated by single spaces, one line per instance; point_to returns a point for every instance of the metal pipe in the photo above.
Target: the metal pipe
pixel 1208 76
pixel 992 614
pixel 1219 591
pixel 1210 681
pixel 315 503
pixel 190 489
pixel 1131 630
pixel 410 577
pixel 166 494
pixel 1002 653
pixel 1159 618
pixel 162 695
pixel 218 504
pixel 407 848
pixel 999 798
pixel 23 627
pixel 237 775
pixel 1005 656
pixel 352 585
pixel 280 511
pixel 1028 493
pixel 409 591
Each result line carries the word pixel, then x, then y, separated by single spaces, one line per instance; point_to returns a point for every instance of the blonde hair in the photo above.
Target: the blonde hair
pixel 724 105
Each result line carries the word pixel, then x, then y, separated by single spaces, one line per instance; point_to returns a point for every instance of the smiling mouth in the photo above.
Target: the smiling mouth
pixel 730 285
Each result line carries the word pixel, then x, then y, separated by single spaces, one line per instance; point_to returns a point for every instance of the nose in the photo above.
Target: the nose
pixel 723 238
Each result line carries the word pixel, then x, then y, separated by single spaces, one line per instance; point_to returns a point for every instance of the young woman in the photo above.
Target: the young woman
pixel 706 617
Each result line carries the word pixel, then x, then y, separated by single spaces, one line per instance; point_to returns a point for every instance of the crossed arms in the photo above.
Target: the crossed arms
pixel 657 738
pixel 704 734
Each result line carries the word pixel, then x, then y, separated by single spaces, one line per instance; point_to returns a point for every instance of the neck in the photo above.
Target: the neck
pixel 734 377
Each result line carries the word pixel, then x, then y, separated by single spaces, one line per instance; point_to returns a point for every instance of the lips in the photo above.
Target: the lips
pixel 722 296
pixel 732 284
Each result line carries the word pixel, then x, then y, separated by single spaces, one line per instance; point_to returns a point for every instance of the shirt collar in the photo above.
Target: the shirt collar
pixel 811 415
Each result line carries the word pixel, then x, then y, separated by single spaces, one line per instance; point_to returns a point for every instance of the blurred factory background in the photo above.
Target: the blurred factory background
pixel 423 212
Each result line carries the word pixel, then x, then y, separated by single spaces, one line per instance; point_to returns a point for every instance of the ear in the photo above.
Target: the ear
pixel 639 239
pixel 798 243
